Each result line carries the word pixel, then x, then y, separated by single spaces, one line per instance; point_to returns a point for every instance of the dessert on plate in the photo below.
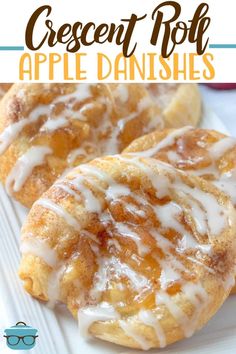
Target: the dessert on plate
pixel 46 129
pixel 143 254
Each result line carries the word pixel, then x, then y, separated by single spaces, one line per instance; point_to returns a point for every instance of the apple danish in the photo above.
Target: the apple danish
pixel 142 253
pixel 46 129
pixel 205 153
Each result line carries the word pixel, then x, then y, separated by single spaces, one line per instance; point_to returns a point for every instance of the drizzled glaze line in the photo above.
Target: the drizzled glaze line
pixel 35 156
pixel 149 319
pixel 167 141
pixel 222 146
pixel 108 265
pixel 39 248
pixel 130 332
pixel 91 314
pixel 163 298
pixel 12 131
pixel 60 211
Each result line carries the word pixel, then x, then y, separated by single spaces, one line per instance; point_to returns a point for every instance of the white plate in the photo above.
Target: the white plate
pixel 58 332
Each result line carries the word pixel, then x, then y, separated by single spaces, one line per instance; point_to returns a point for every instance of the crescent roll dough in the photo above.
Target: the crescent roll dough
pixel 202 152
pixel 46 129
pixel 141 253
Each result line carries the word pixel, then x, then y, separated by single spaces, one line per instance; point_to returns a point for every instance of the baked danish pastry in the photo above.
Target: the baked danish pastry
pixel 142 253
pixel 205 153
pixel 46 129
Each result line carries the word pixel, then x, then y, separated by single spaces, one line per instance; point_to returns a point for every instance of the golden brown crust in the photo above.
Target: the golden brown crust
pixel 100 119
pixel 193 148
pixel 79 237
pixel 22 99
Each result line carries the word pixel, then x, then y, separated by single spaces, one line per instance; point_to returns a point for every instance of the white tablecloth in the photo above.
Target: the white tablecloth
pixel 223 103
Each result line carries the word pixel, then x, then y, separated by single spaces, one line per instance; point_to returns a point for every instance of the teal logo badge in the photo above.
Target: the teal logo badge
pixel 21 336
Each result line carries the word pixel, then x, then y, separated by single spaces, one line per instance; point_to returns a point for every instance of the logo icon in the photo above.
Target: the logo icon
pixel 21 336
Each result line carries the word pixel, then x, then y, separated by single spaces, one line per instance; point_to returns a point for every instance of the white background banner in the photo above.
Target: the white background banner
pixel 103 62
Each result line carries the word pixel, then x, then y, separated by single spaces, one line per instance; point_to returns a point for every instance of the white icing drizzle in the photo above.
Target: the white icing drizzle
pixel 117 190
pixel 81 152
pixel 91 314
pixel 162 297
pixel 35 156
pixel 74 154
pixel 97 172
pixel 134 209
pixel 114 243
pixel 114 268
pixel 162 242
pixel 194 260
pixel 199 298
pixel 12 131
pixel 209 170
pixel 53 124
pixel 168 214
pixel 114 190
pixel 81 93
pixel 92 204
pixel 39 248
pixel 160 183
pixel 143 104
pixel 167 141
pixel 163 213
pixel 196 295
pixel 168 273
pixel 122 92
pixel 227 183
pixel 151 320
pixel 68 190
pixel 132 333
pixel 125 231
pixel 60 211
pixel 199 216
pixel 218 149
pixel 215 212
pixel 53 290
pixel 173 156
pixel 172 262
